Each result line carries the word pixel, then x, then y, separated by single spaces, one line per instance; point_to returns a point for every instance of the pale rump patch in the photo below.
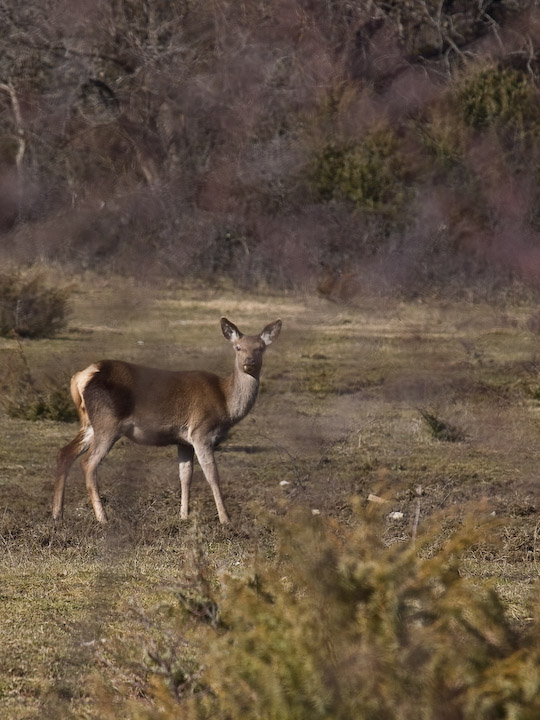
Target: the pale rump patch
pixel 83 377
pixel 79 381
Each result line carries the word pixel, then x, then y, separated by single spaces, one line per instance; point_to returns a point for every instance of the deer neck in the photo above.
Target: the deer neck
pixel 241 393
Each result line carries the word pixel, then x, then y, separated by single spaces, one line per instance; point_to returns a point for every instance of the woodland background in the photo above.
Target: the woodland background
pixel 349 146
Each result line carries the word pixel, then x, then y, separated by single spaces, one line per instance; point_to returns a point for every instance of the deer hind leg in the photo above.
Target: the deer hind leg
pixel 185 467
pixel 99 448
pixel 64 460
pixel 205 456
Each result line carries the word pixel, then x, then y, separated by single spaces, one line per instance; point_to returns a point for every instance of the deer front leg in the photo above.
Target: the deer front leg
pixel 205 456
pixel 185 468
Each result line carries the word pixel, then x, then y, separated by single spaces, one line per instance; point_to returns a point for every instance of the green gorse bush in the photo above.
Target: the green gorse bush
pixel 341 626
pixel 369 174
pixel 499 96
pixel 49 403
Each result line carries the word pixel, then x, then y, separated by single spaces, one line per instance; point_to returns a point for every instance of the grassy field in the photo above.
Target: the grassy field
pixel 433 406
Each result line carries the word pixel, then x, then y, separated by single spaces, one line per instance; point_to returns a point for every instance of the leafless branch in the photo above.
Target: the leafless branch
pixel 17 116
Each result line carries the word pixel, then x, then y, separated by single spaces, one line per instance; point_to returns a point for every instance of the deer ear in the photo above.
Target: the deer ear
pixel 229 329
pixel 270 332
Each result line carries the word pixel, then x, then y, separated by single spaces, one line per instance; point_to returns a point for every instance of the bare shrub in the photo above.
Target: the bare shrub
pixel 441 429
pixel 30 307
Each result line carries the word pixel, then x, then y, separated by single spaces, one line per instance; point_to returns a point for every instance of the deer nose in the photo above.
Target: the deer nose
pixel 249 364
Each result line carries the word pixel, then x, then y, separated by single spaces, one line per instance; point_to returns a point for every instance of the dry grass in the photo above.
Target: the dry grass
pixel 337 418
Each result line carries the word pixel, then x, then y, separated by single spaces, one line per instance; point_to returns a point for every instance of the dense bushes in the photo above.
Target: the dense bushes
pixel 341 626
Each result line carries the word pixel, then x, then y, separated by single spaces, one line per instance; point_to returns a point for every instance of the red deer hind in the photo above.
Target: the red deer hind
pixel 191 409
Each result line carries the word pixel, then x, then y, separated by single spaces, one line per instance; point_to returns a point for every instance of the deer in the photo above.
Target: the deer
pixel 192 409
